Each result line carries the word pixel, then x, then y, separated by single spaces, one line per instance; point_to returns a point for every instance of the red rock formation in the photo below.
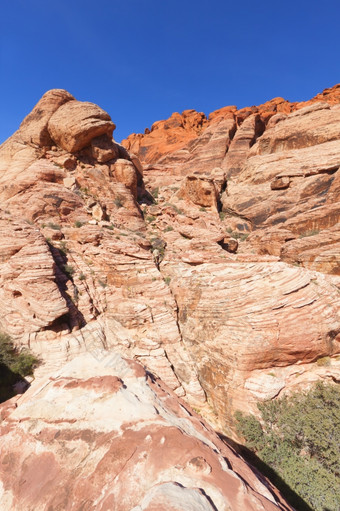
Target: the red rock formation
pixel 105 434
pixel 200 286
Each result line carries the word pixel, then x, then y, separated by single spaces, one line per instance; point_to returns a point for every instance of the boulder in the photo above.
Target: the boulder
pixel 34 128
pixel 76 123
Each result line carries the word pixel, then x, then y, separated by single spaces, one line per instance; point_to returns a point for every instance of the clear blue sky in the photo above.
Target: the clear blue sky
pixel 141 60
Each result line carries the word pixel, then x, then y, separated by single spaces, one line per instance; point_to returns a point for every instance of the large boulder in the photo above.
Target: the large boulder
pixel 76 123
pixel 33 129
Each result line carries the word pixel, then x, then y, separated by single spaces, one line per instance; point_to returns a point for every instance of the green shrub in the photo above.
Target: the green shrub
pixel 155 193
pixel 298 437
pixel 14 365
pixel 150 219
pixel 118 202
pixel 69 270
pixel 242 236
pixel 78 224
pixel 63 247
pixel 55 227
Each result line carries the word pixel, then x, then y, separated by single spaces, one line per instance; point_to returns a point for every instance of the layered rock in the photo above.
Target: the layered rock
pixel 105 434
pixel 187 264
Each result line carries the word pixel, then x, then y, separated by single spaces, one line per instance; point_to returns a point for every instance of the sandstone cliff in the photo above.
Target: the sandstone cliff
pixel 210 253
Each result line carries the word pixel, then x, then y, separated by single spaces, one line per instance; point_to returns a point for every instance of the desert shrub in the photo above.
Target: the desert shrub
pixel 69 270
pixel 155 193
pixel 78 223
pixel 55 227
pixel 242 236
pixel 118 201
pixel 14 365
pixel 298 437
pixel 150 219
pixel 63 247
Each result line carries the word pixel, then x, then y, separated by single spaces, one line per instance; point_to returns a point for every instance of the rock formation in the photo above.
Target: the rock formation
pixel 104 434
pixel 207 248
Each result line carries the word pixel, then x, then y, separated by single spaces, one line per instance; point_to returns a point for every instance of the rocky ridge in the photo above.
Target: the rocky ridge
pixel 106 435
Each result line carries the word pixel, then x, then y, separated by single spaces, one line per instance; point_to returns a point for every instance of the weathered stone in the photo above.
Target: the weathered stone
pixel 199 190
pixel 76 123
pixel 33 129
pixel 108 433
pixel 125 173
pixel 104 149
pixel 280 183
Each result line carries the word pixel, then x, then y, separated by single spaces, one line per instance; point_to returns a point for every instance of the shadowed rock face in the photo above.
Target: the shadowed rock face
pixel 102 435
pixel 216 265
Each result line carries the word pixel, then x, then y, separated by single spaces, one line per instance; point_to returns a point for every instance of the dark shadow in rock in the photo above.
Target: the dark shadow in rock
pixel 11 383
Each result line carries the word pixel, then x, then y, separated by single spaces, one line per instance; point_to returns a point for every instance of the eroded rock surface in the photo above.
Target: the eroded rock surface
pixel 209 253
pixel 106 434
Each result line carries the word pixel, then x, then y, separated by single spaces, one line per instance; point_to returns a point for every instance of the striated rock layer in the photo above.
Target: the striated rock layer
pixel 106 435
pixel 210 253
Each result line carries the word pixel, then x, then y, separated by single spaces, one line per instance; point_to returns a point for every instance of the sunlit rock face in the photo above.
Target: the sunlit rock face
pixel 207 248
pixel 106 434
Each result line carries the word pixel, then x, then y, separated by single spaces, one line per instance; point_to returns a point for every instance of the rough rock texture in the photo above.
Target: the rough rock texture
pixel 76 123
pixel 106 435
pixel 216 265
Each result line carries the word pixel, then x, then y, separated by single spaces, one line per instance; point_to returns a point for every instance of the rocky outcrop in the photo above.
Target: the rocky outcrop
pixel 216 265
pixel 102 433
pixel 167 136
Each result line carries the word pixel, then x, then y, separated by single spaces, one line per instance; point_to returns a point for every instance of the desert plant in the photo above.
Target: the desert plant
pixel 69 270
pixel 118 201
pixel 299 438
pixel 53 226
pixel 21 362
pixel 150 219
pixel 155 193
pixel 63 247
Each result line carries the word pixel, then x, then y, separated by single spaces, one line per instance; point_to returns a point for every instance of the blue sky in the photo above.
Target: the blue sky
pixel 141 60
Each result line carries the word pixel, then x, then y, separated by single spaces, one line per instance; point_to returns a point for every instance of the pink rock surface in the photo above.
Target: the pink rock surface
pixel 199 286
pixel 105 435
